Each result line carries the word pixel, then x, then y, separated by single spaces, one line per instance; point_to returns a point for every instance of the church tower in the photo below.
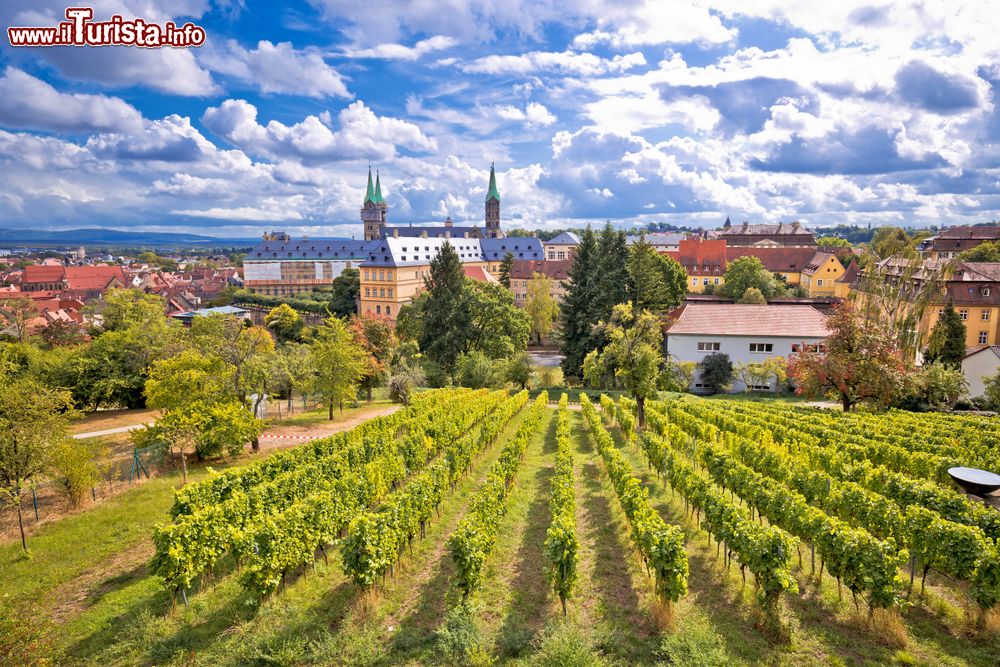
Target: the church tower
pixel 493 230
pixel 373 210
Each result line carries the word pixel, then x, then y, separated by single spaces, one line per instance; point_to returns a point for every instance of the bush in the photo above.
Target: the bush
pixel 935 387
pixel 402 382
pixel 459 639
pixel 518 370
pixel 716 371
pixel 564 645
pixel 26 637
pixel 435 374
pixel 697 646
pixel 548 377
pixel 476 371
pixel 78 466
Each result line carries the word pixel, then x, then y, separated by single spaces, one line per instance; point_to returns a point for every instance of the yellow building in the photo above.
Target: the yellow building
pixel 822 276
pixel 525 272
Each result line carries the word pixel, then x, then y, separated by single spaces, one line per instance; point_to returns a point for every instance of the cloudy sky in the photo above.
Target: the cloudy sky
pixel 629 110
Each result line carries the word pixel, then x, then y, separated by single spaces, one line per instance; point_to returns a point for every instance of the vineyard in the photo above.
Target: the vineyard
pixel 478 527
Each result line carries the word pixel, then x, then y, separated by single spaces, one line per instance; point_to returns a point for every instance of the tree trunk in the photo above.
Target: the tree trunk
pixel 184 469
pixel 20 524
pixel 846 402
pixel 330 412
pixel 640 408
pixel 369 393
pixel 255 445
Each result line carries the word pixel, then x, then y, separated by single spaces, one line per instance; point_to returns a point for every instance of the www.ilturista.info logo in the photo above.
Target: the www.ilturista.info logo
pixel 80 30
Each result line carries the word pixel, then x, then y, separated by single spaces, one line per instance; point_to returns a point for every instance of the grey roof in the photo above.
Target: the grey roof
pixel 432 231
pixel 565 238
pixel 410 251
pixel 310 249
pixel 660 238
pixel 521 247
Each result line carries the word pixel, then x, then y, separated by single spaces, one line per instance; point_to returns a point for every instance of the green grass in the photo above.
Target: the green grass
pixel 88 572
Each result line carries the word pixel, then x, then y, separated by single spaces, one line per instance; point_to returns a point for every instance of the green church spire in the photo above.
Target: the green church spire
pixel 492 193
pixel 378 189
pixel 370 193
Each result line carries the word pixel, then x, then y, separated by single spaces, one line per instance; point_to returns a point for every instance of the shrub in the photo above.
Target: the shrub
pixel 78 465
pixel 716 371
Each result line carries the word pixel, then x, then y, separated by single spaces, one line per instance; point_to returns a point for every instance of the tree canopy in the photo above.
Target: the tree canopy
pixel 657 282
pixel 541 307
pixel 946 344
pixel 748 272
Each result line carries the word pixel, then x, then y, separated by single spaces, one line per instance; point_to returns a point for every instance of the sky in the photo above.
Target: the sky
pixel 633 111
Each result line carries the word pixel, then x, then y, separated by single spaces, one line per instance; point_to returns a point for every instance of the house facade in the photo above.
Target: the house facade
pixel 980 365
pixel 746 333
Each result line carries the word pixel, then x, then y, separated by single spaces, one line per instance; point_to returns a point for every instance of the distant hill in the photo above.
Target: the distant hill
pixel 112 237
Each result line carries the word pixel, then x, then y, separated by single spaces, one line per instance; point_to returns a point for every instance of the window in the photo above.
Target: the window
pixel 708 347
pixel 381 275
pixel 761 347
pixel 366 275
pixel 704 281
pixel 388 310
pixel 819 282
pixel 694 282
pixel 390 292
pixel 378 310
pixel 985 316
pixel 963 314
pixel 986 291
pixel 382 293
pixel 716 281
pixel 984 337
pixel 368 291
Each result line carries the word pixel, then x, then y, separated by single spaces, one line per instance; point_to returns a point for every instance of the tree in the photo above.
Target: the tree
pixel 15 315
pixel 376 336
pixel 633 353
pixel 186 377
pixel 345 293
pixel 746 272
pixel 226 337
pixel 752 295
pixel 936 386
pixel 947 340
pixel 78 465
pixel 861 361
pixel 519 370
pixel 33 419
pixel 576 313
pixel 123 309
pixel 892 242
pixel 541 307
pixel 285 323
pixel 337 362
pixel 984 252
pixel 612 283
pixel 505 266
pixel 477 370
pixel 496 326
pixel 446 326
pixel 677 375
pixel 292 369
pixel 410 321
pixel 991 391
pixel 716 372
pixel 61 333
pixel 832 242
pixel 657 282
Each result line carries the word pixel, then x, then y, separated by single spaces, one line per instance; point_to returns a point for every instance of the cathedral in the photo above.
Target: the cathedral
pixel 374 212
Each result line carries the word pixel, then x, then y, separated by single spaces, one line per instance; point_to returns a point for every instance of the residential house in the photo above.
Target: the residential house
pixel 952 241
pixel 978 366
pixel 746 333
pixel 524 272
pixel 561 247
pixel 781 234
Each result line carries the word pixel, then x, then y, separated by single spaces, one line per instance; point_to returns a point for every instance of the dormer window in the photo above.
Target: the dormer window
pixel 986 291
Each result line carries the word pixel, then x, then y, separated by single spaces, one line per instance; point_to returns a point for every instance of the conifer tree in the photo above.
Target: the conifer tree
pixel 577 313
pixel 657 282
pixel 505 266
pixel 612 281
pixel 947 342
pixel 447 320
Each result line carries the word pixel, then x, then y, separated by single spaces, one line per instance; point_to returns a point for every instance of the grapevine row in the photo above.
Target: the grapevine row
pixel 471 543
pixel 561 546
pixel 661 546
pixel 376 539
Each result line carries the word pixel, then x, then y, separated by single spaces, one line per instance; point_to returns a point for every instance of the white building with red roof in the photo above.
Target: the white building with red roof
pixel 744 332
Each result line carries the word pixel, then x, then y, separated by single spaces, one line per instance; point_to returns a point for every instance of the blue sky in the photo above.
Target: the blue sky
pixel 629 110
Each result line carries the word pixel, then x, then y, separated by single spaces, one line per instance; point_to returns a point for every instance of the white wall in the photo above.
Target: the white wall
pixel 684 347
pixel 977 368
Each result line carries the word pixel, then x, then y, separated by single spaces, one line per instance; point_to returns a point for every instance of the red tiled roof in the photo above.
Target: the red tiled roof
pixel 734 319
pixel 37 273
pixel 554 269
pixel 983 232
pixel 776 260
pixel 92 277
pixel 818 260
pixel 478 273
pixel 851 274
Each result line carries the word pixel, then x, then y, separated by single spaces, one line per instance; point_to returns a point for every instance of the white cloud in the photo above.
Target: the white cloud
pixel 362 134
pixel 30 103
pixel 583 64
pixel 624 24
pixel 533 114
pixel 277 68
pixel 390 51
pixel 270 210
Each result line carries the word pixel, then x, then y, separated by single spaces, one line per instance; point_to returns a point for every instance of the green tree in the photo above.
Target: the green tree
pixel 292 369
pixel 746 272
pixel 833 242
pixel 677 375
pixel 657 282
pixel 285 323
pixel 542 308
pixel 345 293
pixel 892 242
pixel 123 309
pixel 577 311
pixel 716 372
pixel 477 370
pixel 16 314
pixel 497 326
pixel 186 377
pixel 447 321
pixel 936 386
pixel 505 266
pixel 33 419
pixel 861 362
pixel 338 363
pixel 241 347
pixel 61 333
pixel 984 252
pixel 376 336
pixel 633 353
pixel 612 284
pixel 991 392
pixel 947 340
pixel 519 369
pixel 752 295
pixel 410 321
